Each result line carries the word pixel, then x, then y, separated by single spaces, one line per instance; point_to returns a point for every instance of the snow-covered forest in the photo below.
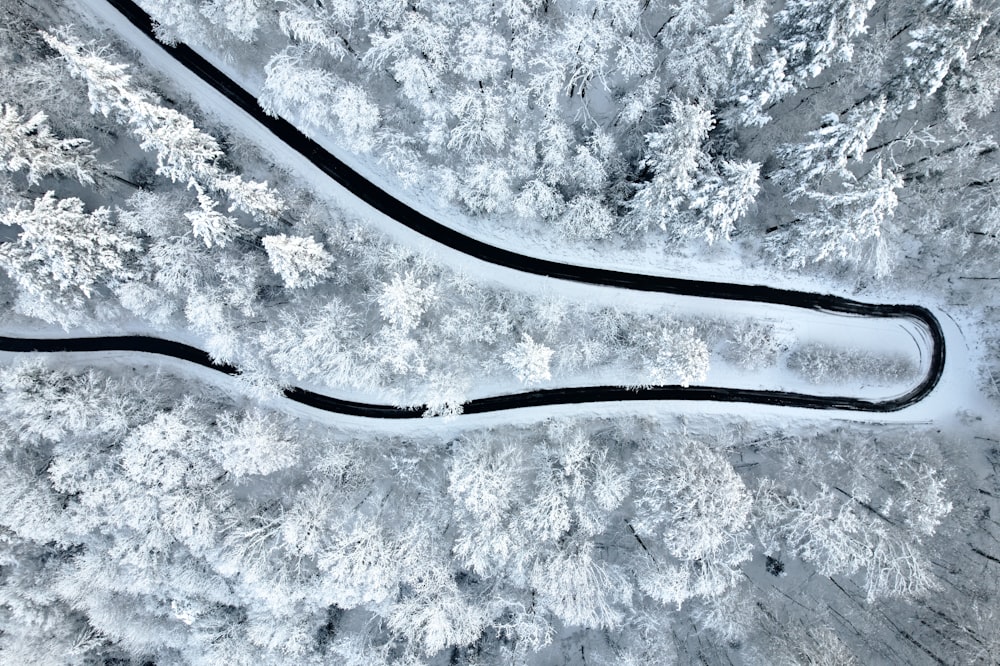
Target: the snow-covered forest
pixel 153 511
pixel 856 134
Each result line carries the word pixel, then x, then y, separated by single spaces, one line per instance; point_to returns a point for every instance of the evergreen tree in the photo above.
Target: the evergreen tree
pixel 674 159
pixel 850 226
pixel 63 251
pixel 209 225
pixel 31 145
pixel 815 35
pixel 722 199
pixel 183 152
pixel 301 262
pixel 530 361
pixel 942 40
pixel 825 153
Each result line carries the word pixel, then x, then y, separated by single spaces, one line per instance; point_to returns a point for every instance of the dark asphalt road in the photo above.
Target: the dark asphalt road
pixel 422 224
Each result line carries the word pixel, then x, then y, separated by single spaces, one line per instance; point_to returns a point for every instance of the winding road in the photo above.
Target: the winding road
pixel 417 221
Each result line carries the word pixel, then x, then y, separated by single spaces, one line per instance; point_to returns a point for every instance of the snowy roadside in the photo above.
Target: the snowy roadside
pixel 879 338
pixel 935 409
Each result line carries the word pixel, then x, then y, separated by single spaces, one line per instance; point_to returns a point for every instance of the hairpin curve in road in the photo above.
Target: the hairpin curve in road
pixel 422 224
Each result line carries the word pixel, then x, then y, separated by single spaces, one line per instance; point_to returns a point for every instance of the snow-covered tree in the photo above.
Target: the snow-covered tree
pixel 30 145
pixel 976 92
pixel 109 86
pixel 740 32
pixel 755 345
pixel 179 21
pixel 61 249
pixel 249 196
pixel 481 123
pixel 826 151
pixel 674 158
pixel 238 17
pixel 361 565
pixel 722 199
pixel 183 152
pixel 673 502
pixel 555 147
pixel 316 97
pixel 40 625
pixel 849 226
pixel 819 644
pixel 300 261
pixel 209 314
pixel 530 361
pixel 321 344
pixel 840 536
pixel 680 357
pixel 925 500
pixel 693 514
pixel 404 300
pixel 871 522
pixel 160 453
pixel 732 617
pixel 538 200
pixel 437 615
pixel 942 40
pixel 586 216
pixel 581 589
pixel 759 89
pixel 486 187
pixel 481 53
pixel 446 396
pixel 637 103
pixel 581 52
pixel 417 52
pixel 635 58
pixel 485 481
pixel 54 404
pixel 212 227
pixel 254 443
pixel 306 25
pixel 691 56
pixel 815 35
pixel 292 86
